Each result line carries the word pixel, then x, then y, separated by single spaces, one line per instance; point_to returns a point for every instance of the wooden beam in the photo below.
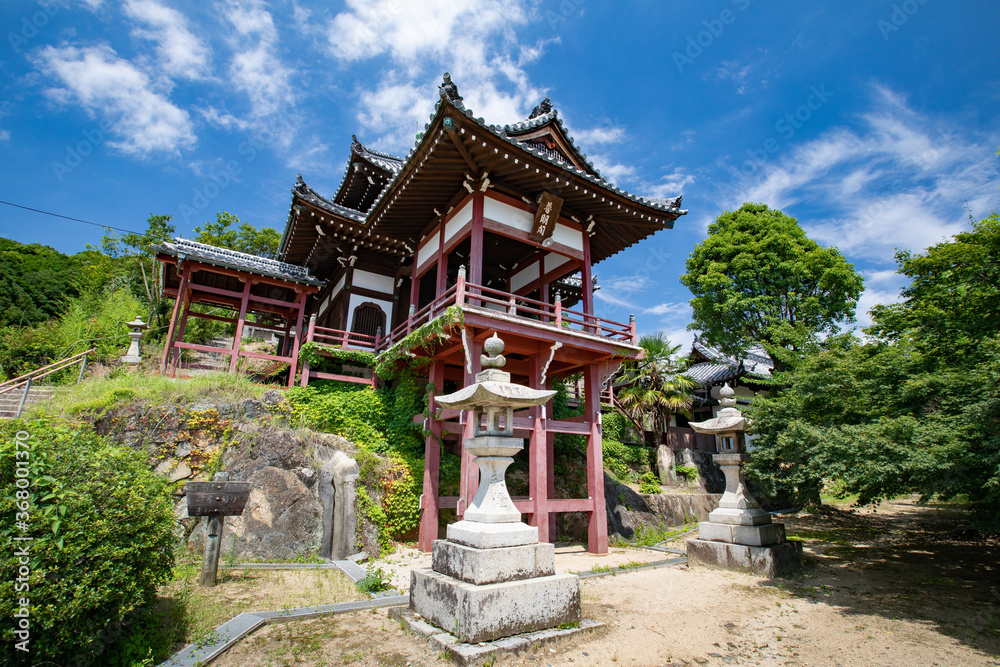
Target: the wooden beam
pixel 456 139
pixel 239 326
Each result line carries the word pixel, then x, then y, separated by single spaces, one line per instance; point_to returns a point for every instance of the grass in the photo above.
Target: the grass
pixel 193 611
pixel 647 537
pixel 101 394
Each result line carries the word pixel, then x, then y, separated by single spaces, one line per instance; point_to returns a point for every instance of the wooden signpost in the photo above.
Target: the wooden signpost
pixel 546 216
pixel 216 500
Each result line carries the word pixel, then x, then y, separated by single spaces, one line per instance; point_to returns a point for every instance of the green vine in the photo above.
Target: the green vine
pixel 388 363
pixel 318 355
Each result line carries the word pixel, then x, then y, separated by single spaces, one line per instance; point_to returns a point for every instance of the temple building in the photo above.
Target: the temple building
pixel 479 229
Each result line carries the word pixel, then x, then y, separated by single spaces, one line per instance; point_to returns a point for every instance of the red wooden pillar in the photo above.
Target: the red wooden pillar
pixel 309 337
pixel 442 264
pixel 240 321
pixel 301 298
pixel 432 467
pixel 186 310
pixel 587 285
pixel 539 465
pixel 469 480
pixel 597 524
pixel 168 343
pixel 476 243
pixel 414 289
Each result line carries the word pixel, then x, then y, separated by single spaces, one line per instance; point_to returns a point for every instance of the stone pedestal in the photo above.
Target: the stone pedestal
pixel 491 578
pixel 739 534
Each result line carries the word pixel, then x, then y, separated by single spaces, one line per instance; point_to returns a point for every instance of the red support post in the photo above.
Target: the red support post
pixel 186 310
pixel 297 341
pixel 469 480
pixel 240 321
pixel 442 264
pixel 169 341
pixel 309 336
pixel 414 287
pixel 597 522
pixel 432 467
pixel 538 462
pixel 460 287
pixel 476 242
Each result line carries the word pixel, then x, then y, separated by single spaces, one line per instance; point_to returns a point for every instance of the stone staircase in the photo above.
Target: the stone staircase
pixel 202 363
pixel 10 400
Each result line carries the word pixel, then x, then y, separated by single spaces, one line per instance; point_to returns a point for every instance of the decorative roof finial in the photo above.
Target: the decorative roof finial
pixel 493 357
pixel 726 395
pixel 450 90
pixel 544 107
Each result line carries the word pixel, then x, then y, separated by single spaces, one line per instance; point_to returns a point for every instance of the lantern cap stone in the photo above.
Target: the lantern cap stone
pixel 137 323
pixel 728 420
pixel 493 387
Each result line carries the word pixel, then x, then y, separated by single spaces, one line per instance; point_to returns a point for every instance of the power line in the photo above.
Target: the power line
pixel 66 217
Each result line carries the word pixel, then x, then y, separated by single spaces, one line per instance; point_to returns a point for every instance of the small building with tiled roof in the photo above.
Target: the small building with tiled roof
pixel 712 368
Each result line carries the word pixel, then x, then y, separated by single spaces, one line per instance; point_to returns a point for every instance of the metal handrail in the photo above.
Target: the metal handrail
pixel 29 378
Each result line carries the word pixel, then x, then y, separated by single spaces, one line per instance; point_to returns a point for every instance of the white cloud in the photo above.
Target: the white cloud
pixel 599 135
pixel 256 70
pixel 4 135
pixel 899 180
pixel 416 42
pixel 881 287
pixel 669 308
pixel 615 172
pixel 181 53
pixel 106 85
pixel 669 185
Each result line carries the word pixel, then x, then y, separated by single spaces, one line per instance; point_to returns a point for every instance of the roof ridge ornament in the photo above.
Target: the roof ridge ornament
pixel 543 107
pixel 450 90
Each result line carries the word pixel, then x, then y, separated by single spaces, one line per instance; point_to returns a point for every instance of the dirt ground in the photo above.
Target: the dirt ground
pixel 901 586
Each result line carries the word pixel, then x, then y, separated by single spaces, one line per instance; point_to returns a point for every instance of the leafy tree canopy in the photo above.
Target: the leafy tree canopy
pixel 243 238
pixel 916 410
pixel 758 277
pixel 36 282
pixel 654 388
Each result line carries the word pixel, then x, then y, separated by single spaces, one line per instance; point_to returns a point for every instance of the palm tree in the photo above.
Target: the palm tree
pixel 653 387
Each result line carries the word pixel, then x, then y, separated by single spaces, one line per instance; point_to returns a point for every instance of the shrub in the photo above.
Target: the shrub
pixel 101 525
pixel 690 473
pixel 650 483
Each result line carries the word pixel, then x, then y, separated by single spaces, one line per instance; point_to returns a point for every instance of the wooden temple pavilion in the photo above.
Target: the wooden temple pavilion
pixel 196 273
pixel 494 229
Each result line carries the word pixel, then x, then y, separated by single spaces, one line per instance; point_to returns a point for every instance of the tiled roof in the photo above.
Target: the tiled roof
pixel 301 189
pixel 755 361
pixel 709 373
pixel 671 206
pixel 390 163
pixel 210 254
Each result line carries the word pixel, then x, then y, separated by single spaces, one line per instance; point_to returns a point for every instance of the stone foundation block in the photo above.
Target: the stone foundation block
pixel 753 536
pixel 772 561
pixel 492 535
pixel 740 516
pixel 491 566
pixel 485 613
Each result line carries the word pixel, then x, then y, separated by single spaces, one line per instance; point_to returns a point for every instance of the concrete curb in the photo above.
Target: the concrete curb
pixel 656 564
pixel 226 635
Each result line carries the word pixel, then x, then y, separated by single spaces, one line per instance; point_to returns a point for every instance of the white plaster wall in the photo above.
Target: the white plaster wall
pixel 524 276
pixel 463 216
pixel 553 261
pixel 373 281
pixel 568 236
pixel 429 250
pixel 508 215
pixel 357 300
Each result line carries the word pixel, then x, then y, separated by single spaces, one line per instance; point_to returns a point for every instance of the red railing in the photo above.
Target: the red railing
pixel 486 300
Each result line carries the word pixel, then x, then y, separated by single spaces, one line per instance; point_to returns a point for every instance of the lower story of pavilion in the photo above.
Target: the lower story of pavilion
pixel 537 357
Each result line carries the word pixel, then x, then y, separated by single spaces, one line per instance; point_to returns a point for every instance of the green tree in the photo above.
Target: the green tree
pixel 653 387
pixel 243 238
pixel 916 409
pixel 758 278
pixel 36 282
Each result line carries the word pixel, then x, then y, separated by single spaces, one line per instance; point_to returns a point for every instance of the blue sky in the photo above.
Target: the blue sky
pixel 874 123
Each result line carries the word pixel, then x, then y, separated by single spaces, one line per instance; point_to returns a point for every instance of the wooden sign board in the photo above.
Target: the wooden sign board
pixel 217 498
pixel 545 217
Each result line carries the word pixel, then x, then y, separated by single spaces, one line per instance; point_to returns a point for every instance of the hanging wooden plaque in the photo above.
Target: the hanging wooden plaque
pixel 545 217
pixel 217 498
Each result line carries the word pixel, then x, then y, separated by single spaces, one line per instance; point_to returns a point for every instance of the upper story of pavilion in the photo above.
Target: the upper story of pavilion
pixel 518 207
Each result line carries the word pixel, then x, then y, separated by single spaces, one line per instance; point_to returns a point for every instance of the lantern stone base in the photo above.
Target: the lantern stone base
pixel 487 612
pixel 492 535
pixel 751 536
pixel 493 566
pixel 776 560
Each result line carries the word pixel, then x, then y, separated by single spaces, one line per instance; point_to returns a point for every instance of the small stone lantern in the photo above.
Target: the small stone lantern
pixel 739 534
pixel 136 328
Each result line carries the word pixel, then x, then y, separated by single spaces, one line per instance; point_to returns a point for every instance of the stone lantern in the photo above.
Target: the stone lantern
pixel 491 577
pixel 136 328
pixel 739 534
